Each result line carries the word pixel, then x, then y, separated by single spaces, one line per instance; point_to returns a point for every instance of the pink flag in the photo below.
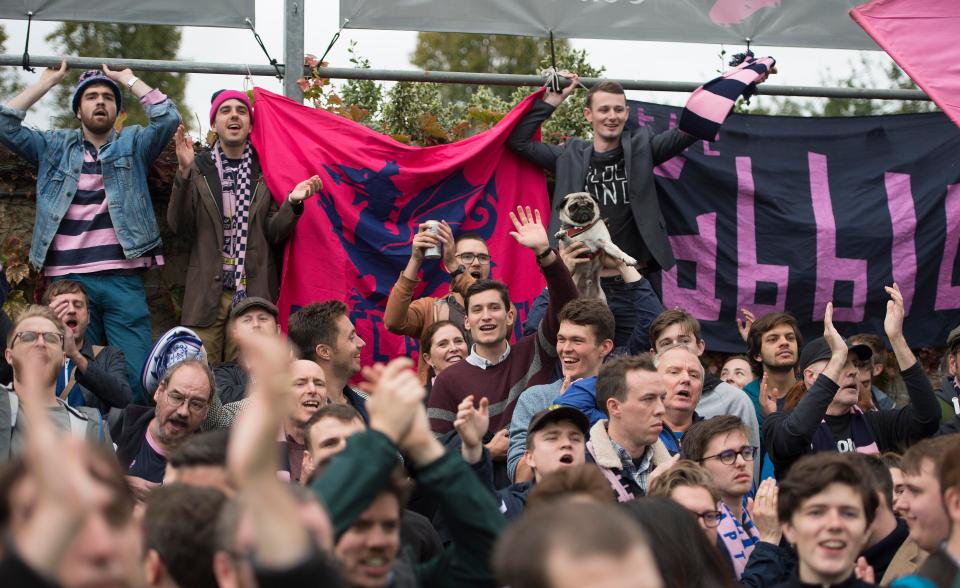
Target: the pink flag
pixel 921 36
pixel 354 237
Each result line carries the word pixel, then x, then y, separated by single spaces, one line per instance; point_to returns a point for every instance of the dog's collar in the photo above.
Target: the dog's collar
pixel 574 231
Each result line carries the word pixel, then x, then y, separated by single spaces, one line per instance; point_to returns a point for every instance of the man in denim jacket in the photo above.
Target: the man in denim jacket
pixel 95 221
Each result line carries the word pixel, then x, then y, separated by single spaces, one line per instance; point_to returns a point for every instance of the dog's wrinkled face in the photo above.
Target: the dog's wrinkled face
pixel 579 208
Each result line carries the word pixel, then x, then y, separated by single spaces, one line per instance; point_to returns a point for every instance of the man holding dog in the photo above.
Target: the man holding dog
pixel 616 167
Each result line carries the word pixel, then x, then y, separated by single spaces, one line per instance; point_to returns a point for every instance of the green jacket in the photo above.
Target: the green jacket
pixel 355 478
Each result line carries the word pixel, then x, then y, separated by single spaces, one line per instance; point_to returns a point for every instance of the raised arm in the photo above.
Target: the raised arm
pixel 530 233
pixel 522 141
pixel 401 316
pixel 164 118
pixel 788 435
pixel 28 142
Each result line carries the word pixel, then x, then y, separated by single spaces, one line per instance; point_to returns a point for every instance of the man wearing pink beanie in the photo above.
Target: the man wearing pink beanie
pixel 221 204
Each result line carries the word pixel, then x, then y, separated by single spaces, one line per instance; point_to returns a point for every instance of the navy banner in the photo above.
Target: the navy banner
pixel 789 213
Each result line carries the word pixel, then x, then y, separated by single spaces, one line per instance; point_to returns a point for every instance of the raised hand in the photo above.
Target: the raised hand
pixel 395 395
pixel 837 345
pixel 121 76
pixel 864 571
pixel 305 189
pixel 471 424
pixel 184 146
pixel 554 98
pixel 423 240
pixel 768 397
pixel 51 76
pixel 529 230
pixel 893 322
pixel 744 326
pixel 763 510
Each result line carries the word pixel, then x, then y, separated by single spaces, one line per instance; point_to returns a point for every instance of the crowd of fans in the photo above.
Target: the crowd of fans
pixel 594 450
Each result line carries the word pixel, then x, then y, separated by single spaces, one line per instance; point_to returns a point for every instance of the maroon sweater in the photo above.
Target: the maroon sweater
pixel 531 361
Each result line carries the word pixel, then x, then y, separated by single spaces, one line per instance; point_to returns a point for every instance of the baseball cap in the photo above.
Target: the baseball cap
pixel 253 302
pixel 555 413
pixel 819 349
pixel 953 339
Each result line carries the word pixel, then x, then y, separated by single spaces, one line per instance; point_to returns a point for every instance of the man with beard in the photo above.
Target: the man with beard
pixel 773 346
pixel 148 434
pixel 309 394
pixel 35 342
pixel 556 439
pixel 827 417
pixel 95 222
pixel 221 203
pixel 92 375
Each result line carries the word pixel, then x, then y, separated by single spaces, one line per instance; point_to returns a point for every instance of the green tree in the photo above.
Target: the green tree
pixel 9 84
pixel 471 52
pixel 872 71
pixel 117 40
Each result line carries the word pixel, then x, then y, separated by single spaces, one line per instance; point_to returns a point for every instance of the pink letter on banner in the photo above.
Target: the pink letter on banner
pixel 948 295
pixel 701 301
pixel 903 255
pixel 749 272
pixel 830 268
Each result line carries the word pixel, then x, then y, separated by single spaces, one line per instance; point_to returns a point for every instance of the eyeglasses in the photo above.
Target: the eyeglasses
pixel 729 456
pixel 710 518
pixel 176 400
pixel 467 258
pixel 49 337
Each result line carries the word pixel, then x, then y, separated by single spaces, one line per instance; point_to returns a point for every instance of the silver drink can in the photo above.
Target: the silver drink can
pixel 433 227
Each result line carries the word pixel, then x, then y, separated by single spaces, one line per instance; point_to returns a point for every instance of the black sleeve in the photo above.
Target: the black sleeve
pixel 15 572
pixel 787 435
pixel 768 565
pixel 521 139
pixel 106 377
pixel 913 422
pixel 668 144
pixel 316 570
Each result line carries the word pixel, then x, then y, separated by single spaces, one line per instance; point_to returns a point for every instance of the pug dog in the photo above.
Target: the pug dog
pixel 580 221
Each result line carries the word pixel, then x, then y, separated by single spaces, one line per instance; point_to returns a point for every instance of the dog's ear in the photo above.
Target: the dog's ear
pixel 563 202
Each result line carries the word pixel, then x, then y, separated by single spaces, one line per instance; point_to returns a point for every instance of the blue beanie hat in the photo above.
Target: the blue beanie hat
pixel 90 77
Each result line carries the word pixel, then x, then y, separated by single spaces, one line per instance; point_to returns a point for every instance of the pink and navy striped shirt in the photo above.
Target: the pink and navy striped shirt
pixel 86 241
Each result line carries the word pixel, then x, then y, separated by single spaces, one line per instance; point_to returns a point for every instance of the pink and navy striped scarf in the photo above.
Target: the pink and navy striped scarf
pixel 709 105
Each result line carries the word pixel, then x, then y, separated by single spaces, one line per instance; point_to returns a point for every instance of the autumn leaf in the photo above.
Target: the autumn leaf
pixel 17 272
pixel 118 124
pixel 15 303
pixel 431 127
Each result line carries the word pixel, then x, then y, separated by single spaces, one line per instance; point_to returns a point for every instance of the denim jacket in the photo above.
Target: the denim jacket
pixel 58 155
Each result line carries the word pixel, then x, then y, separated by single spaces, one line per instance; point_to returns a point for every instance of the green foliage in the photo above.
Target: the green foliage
pixel 9 84
pixel 871 72
pixel 114 41
pixel 420 114
pixel 366 94
pixel 567 120
pixel 471 52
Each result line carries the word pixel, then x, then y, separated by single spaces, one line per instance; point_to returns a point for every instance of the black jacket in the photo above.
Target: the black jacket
pixel 788 435
pixel 642 151
pixel 131 432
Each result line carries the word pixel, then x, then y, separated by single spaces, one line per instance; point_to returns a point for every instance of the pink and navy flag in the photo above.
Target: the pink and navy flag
pixel 921 36
pixel 354 237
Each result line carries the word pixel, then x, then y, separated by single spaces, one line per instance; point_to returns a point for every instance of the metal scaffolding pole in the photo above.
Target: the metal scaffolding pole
pixel 444 77
pixel 292 46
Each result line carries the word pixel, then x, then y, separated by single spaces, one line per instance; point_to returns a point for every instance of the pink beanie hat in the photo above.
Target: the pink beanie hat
pixel 224 95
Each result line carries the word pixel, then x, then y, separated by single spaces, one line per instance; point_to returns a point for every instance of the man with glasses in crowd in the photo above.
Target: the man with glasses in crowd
pixel 36 339
pixel 466 259
pixel 148 434
pixel 720 445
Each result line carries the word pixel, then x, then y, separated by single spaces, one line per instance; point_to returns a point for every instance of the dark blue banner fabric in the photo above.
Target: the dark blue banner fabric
pixel 789 213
